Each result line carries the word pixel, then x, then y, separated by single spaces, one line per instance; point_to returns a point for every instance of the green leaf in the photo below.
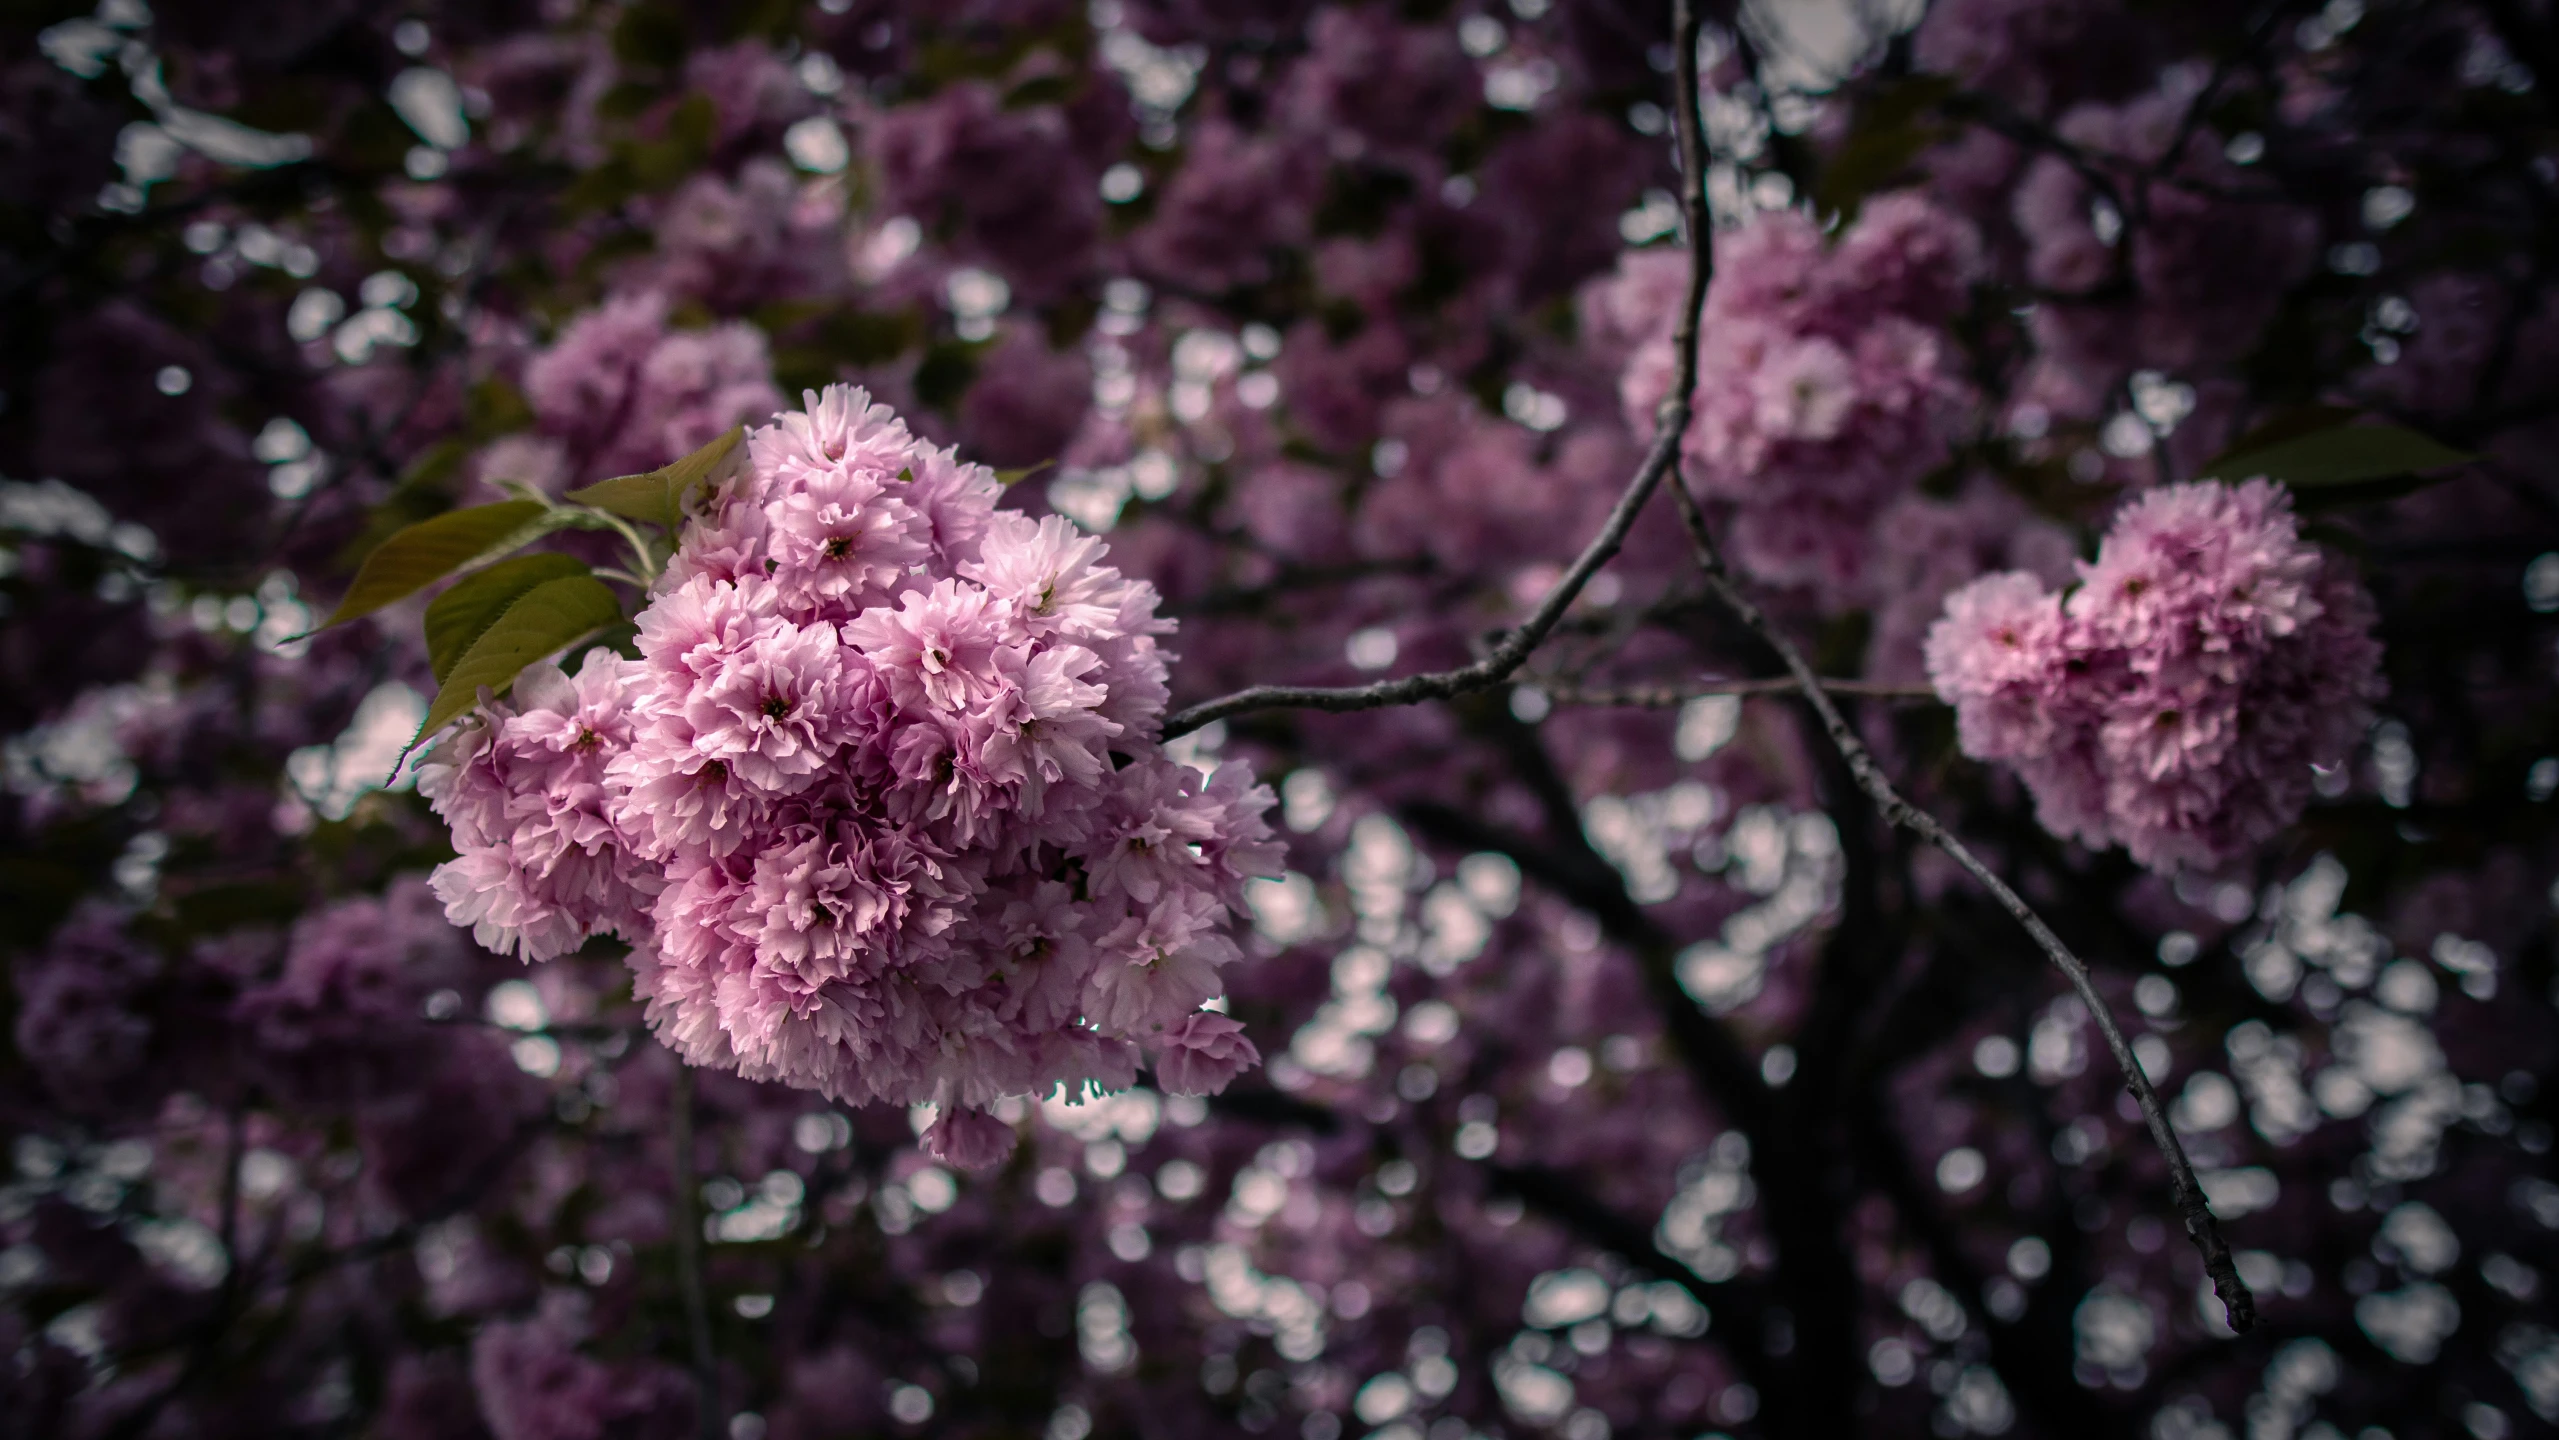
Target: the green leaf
pixel 1020 473
pixel 463 613
pixel 658 497
pixel 543 620
pixel 426 552
pixel 2291 422
pixel 2338 455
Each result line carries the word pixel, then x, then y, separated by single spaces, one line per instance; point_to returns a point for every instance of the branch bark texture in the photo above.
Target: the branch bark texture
pixel 1661 460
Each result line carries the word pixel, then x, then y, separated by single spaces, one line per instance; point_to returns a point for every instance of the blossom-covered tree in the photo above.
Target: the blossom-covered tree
pixel 1485 719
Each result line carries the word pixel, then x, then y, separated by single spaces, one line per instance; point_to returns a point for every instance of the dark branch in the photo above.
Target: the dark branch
pixel 688 1258
pixel 1722 1073
pixel 1668 697
pixel 2237 1303
pixel 1742 1306
pixel 1506 657
pixel 1670 429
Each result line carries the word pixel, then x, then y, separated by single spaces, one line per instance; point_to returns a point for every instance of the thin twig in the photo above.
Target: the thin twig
pixel 2192 122
pixel 2098 169
pixel 218 1322
pixel 1670 697
pixel 688 1257
pixel 233 1143
pixel 2238 1305
pixel 1506 657
pixel 1515 647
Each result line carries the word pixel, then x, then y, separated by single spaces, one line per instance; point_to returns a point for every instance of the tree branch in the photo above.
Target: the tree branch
pixel 2237 1303
pixel 1669 697
pixel 1506 657
pixel 688 1257
pixel 1741 1306
pixel 2031 1354
pixel 1723 1074
pixel 1670 429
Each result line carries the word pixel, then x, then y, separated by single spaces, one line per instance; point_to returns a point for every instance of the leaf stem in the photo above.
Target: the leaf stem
pixel 645 565
pixel 1666 697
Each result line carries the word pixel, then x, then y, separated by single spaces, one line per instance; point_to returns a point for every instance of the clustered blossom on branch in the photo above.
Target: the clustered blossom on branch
pixel 2175 702
pixel 879 806
pixel 1826 385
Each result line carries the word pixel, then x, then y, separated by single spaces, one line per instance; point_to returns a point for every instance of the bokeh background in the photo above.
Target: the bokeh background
pixel 1625 1077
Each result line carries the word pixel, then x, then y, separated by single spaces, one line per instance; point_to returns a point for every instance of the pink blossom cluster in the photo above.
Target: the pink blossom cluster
pixel 879 805
pixel 1826 385
pixel 2176 700
pixel 624 393
pixel 1924 549
pixel 729 241
pixel 533 1384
